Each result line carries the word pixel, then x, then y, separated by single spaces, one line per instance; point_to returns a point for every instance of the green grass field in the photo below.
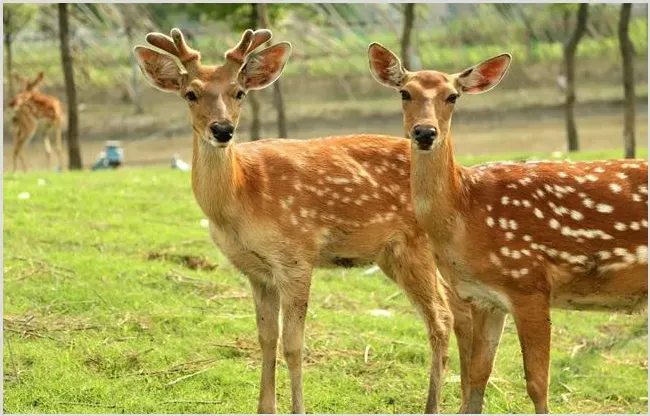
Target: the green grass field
pixel 102 314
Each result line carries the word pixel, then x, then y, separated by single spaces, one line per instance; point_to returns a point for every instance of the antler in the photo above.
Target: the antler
pixel 176 45
pixel 250 40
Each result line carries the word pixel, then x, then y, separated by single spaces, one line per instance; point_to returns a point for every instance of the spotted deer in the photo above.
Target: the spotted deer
pixel 279 208
pixel 519 237
pixel 31 106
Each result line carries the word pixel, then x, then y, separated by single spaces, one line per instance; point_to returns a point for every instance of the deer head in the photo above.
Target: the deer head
pixel 214 94
pixel 27 88
pixel 428 97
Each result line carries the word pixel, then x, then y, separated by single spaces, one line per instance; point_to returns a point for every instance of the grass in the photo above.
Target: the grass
pixel 103 315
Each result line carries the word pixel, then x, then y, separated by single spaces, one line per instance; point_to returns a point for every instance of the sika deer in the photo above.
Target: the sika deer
pixel 30 106
pixel 520 237
pixel 279 208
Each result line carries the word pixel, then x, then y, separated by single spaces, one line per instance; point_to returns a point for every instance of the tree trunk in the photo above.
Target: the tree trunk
pixel 278 98
pixel 409 18
pixel 6 20
pixel 253 95
pixel 569 67
pixel 68 70
pixel 135 91
pixel 10 64
pixel 627 53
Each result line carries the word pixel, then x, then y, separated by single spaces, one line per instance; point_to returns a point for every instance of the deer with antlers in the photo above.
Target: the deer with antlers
pixel 31 106
pixel 280 208
pixel 519 237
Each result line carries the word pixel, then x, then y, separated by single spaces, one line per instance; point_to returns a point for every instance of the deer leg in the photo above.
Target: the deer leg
pixel 419 281
pixel 294 297
pixel 463 329
pixel 267 308
pixel 48 149
pixel 23 134
pixel 533 321
pixel 57 143
pixel 488 328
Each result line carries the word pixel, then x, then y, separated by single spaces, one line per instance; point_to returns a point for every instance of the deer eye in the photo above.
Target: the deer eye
pixel 240 95
pixel 191 96
pixel 405 95
pixel 452 98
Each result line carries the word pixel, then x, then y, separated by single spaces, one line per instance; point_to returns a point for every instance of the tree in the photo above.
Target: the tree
pixel 14 18
pixel 278 99
pixel 627 53
pixel 74 154
pixel 409 18
pixel 570 48
pixel 130 19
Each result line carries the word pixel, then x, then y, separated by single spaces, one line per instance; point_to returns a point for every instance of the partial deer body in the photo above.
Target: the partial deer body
pixel 30 106
pixel 520 237
pixel 279 208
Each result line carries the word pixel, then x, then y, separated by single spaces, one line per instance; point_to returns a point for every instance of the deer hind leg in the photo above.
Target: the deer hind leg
pixel 533 321
pixel 267 308
pixel 418 279
pixel 48 149
pixel 58 147
pixel 294 287
pixel 488 328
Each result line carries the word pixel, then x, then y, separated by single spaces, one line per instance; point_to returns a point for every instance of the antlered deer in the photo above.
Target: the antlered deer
pixel 520 237
pixel 31 106
pixel 279 208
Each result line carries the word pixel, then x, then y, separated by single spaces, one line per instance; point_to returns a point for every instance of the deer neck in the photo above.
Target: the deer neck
pixel 215 174
pixel 437 189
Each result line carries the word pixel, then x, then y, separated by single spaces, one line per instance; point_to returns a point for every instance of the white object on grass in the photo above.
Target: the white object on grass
pixel 381 312
pixel 23 195
pixel 178 163
pixel 204 223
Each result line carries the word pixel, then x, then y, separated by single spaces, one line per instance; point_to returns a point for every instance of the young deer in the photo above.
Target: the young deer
pixel 279 208
pixel 31 106
pixel 520 237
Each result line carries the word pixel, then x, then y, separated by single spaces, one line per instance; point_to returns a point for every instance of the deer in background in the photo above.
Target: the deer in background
pixel 31 106
pixel 280 208
pixel 519 237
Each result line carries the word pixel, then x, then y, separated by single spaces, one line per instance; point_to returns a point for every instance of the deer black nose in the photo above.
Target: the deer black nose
pixel 424 136
pixel 222 132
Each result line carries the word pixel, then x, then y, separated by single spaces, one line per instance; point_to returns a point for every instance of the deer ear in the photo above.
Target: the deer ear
pixel 385 66
pixel 160 69
pixel 484 76
pixel 264 67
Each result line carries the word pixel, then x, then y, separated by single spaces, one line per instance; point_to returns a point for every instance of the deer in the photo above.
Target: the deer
pixel 278 208
pixel 524 237
pixel 31 106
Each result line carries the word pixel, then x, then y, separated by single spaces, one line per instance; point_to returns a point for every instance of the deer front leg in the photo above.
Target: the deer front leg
pixel 294 300
pixel 463 330
pixel 487 331
pixel 22 135
pixel 416 274
pixel 267 308
pixel 533 321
